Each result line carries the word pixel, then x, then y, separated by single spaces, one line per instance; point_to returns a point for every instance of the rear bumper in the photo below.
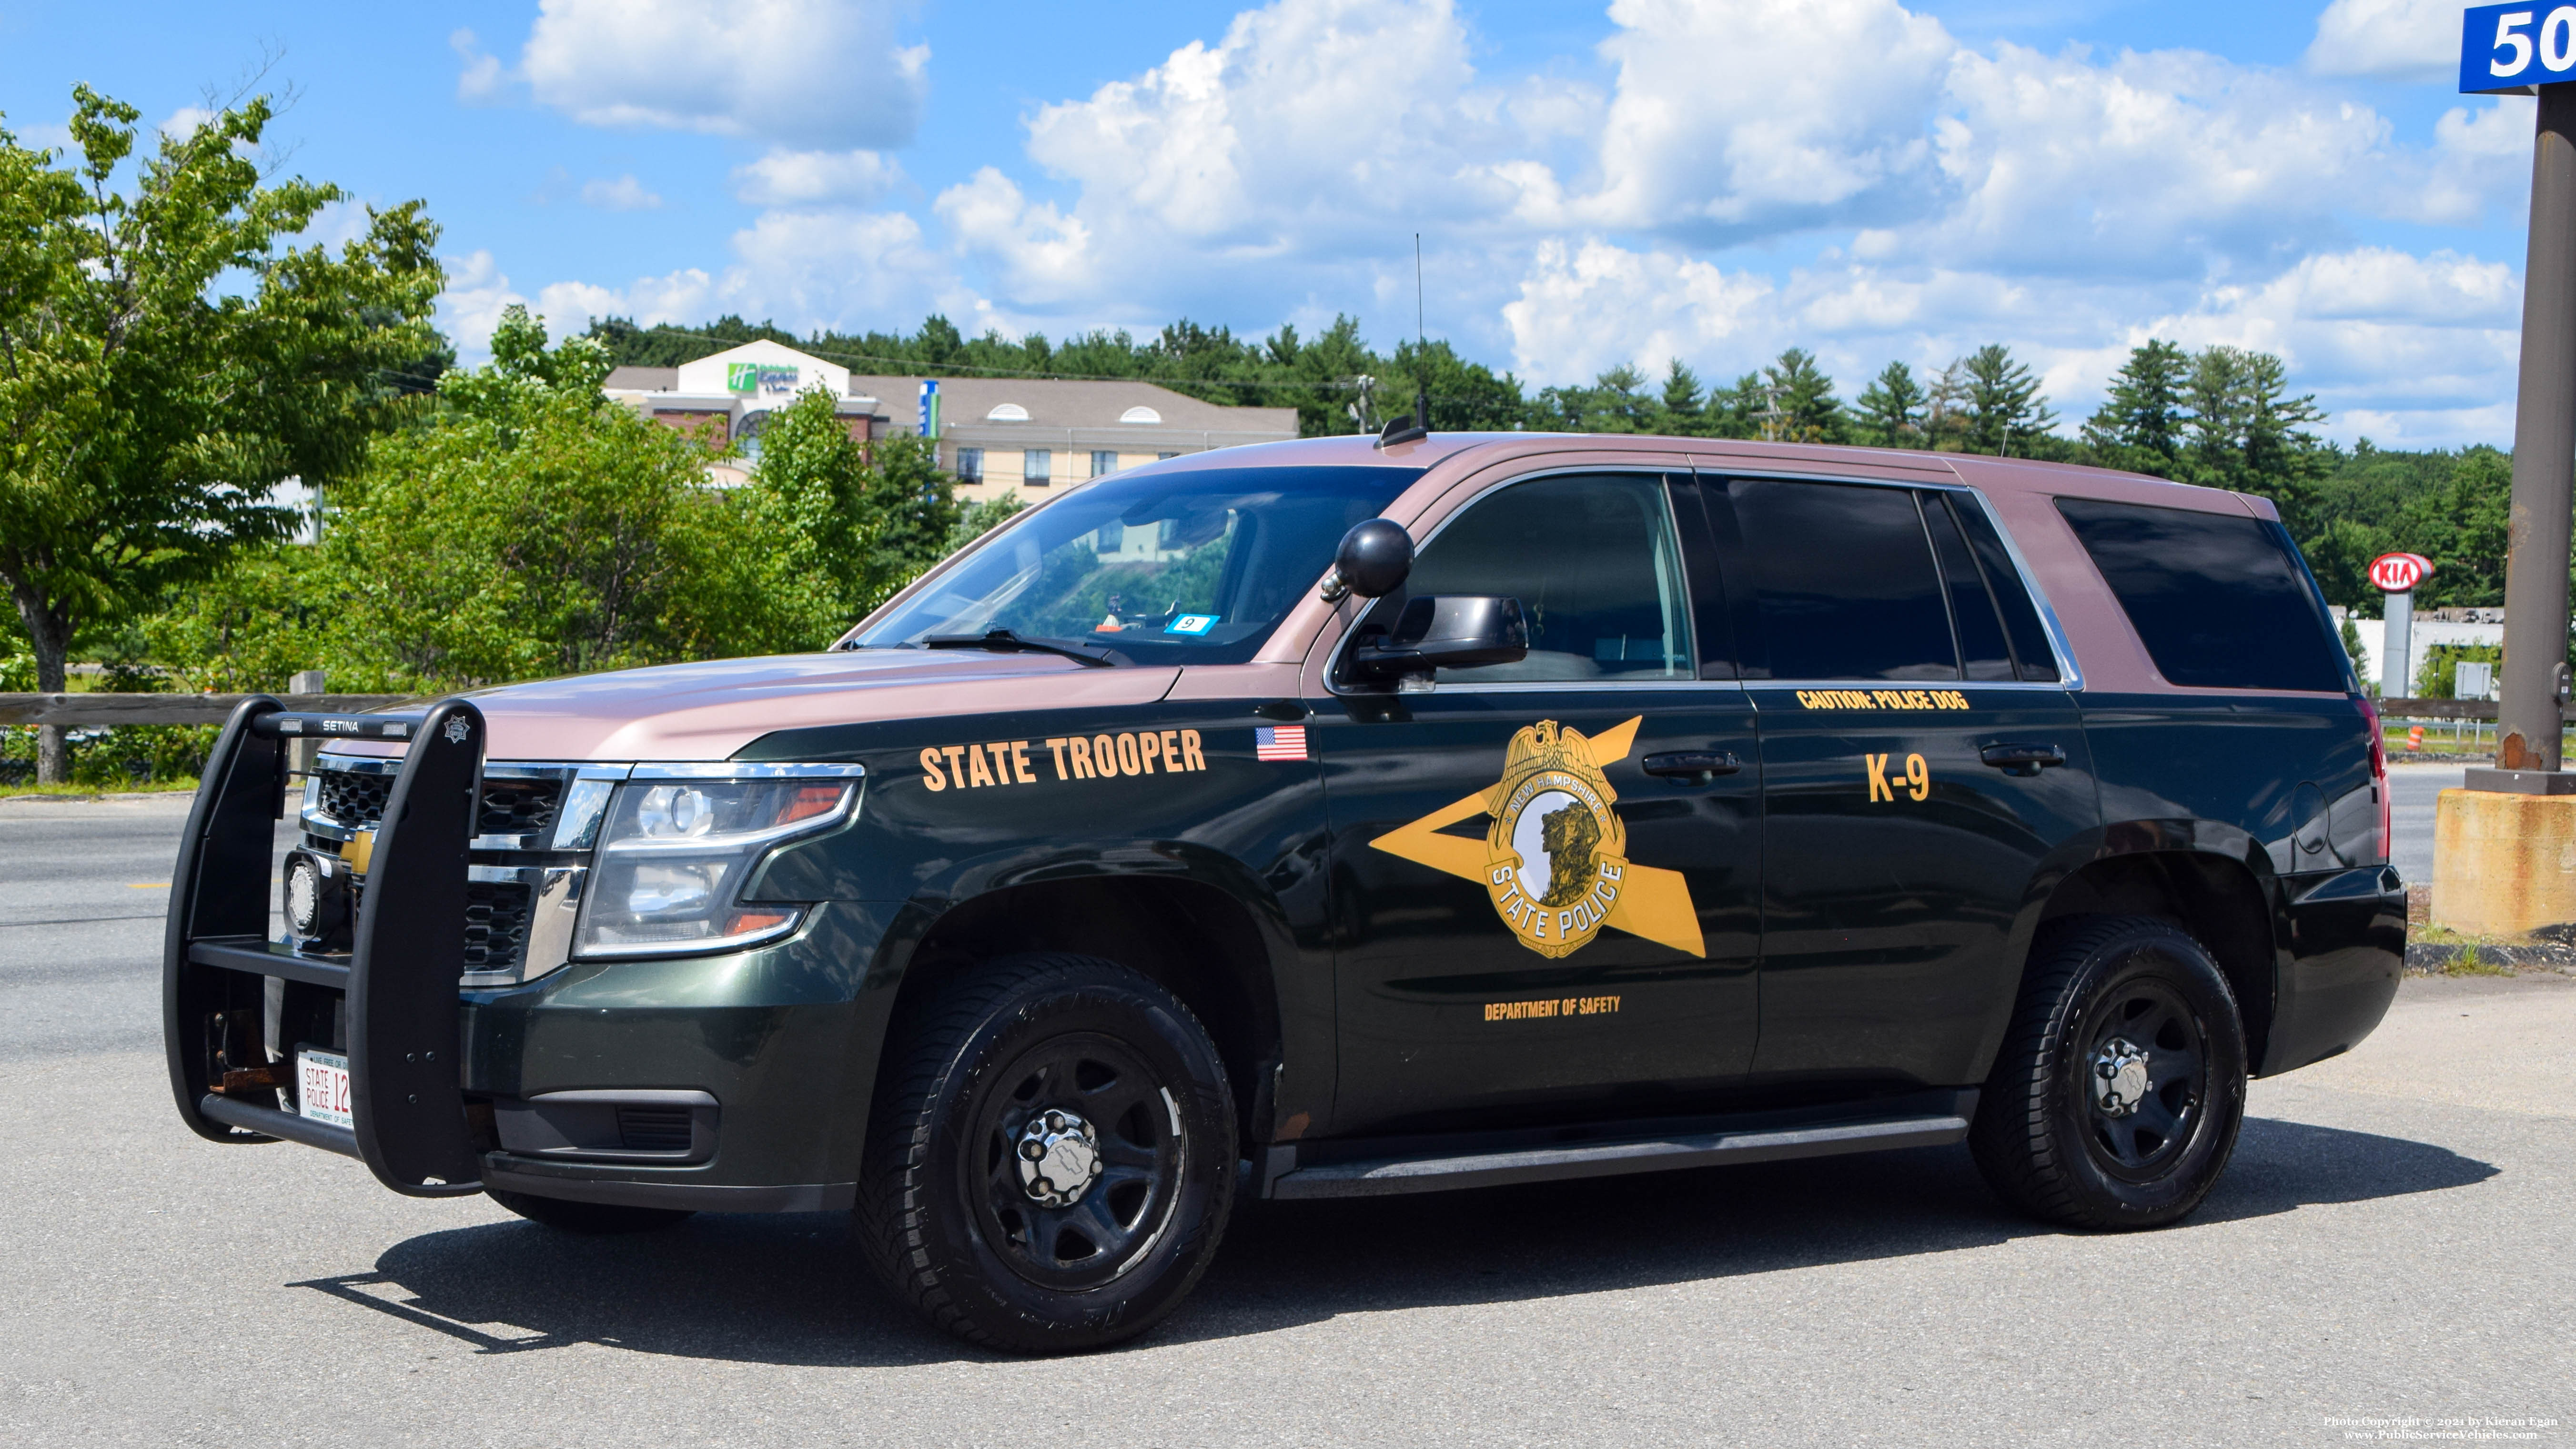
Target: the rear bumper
pixel 2346 952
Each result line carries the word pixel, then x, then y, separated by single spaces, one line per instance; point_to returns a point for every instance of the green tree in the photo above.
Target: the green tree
pixel 525 372
pixel 1802 397
pixel 563 538
pixel 1890 411
pixel 2140 425
pixel 977 519
pixel 2247 434
pixel 1616 402
pixel 2005 409
pixel 2463 525
pixel 167 358
pixel 1685 405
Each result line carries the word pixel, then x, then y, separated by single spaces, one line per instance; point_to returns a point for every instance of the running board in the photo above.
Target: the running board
pixel 1383 1176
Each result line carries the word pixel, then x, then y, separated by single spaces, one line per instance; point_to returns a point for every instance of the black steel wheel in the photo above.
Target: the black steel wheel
pixel 2117 1096
pixel 1051 1159
pixel 598 1219
pixel 2144 1077
pixel 1089 1110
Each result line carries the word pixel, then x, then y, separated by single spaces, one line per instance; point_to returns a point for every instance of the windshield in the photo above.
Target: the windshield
pixel 1191 566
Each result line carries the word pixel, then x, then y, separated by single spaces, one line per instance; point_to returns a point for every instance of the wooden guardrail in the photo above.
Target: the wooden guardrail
pixel 2451 709
pixel 95 710
pixel 92 711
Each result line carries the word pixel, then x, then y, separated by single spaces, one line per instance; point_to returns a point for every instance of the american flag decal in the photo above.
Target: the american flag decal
pixel 1279 742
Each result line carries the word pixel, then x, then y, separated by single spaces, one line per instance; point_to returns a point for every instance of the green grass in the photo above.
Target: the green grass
pixel 93 792
pixel 2470 963
pixel 2438 740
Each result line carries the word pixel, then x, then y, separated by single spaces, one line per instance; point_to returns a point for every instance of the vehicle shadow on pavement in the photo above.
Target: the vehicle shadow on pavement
pixel 793 1290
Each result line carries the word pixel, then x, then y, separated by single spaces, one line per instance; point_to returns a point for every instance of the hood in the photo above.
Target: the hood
pixel 710 711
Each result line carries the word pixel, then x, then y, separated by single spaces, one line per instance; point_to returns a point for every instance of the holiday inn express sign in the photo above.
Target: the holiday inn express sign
pixel 2508 49
pixel 759 377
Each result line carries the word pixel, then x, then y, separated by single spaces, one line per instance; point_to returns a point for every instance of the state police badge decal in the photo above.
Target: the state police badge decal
pixel 1554 861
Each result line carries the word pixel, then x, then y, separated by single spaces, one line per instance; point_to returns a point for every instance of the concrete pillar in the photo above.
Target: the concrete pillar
pixel 300 752
pixel 2503 863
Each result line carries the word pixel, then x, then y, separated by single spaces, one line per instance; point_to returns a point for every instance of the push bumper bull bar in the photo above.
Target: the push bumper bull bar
pixel 407 1103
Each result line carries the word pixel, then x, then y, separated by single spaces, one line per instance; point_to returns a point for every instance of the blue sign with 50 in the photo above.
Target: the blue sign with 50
pixel 2510 48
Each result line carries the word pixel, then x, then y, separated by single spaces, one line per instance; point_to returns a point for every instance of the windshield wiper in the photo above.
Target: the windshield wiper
pixel 1003 641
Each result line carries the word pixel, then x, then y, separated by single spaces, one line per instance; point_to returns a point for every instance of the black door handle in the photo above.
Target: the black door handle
pixel 2022 759
pixel 1686 764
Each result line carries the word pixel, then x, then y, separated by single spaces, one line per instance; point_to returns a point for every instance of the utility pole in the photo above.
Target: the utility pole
pixel 2544 466
pixel 2501 846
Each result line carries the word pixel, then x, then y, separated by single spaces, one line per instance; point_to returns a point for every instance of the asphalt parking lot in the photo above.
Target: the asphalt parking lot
pixel 2390 1245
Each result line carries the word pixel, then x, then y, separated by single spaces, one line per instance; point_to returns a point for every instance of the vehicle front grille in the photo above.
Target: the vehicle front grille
pixel 653 1129
pixel 518 807
pixel 354 800
pixel 496 925
pixel 496 922
pixel 511 805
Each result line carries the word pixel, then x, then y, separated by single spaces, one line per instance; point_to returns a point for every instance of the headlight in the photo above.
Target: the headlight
pixel 675 852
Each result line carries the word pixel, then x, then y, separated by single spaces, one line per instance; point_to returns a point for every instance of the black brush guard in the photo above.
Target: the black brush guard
pixel 400 979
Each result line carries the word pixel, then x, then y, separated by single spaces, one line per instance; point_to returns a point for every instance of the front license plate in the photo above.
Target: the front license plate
pixel 322 1087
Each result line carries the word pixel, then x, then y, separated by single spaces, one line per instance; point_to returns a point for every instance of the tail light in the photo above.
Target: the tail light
pixel 2378 771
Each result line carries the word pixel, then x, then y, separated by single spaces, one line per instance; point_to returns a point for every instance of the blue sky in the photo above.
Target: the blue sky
pixel 1711 180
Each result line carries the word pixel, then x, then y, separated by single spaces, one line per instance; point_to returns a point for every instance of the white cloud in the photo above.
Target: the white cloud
pixel 1844 175
pixel 477 293
pixel 2416 40
pixel 797 72
pixel 480 80
pixel 183 122
pixel 1767 113
pixel 1585 309
pixel 2172 163
pixel 623 194
pixel 806 178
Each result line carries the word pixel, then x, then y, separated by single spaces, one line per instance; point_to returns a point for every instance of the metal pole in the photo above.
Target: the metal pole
pixel 2397 644
pixel 2544 458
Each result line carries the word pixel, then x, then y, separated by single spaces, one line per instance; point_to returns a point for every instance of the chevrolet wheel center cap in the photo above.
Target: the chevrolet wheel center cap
pixel 2119 1077
pixel 1059 1158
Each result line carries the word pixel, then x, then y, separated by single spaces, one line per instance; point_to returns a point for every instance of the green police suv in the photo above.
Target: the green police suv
pixel 1330 818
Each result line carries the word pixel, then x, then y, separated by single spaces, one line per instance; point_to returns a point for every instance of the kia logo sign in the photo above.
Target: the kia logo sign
pixel 2398 573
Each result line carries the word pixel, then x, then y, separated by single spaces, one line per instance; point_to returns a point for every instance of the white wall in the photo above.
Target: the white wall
pixel 2420 643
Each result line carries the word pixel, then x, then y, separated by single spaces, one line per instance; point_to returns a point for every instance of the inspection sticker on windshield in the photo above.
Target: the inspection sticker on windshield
pixel 1191 624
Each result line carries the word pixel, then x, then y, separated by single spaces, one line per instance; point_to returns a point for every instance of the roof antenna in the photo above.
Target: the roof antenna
pixel 1417 426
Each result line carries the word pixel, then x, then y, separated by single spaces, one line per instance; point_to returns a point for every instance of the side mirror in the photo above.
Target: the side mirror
pixel 1447 631
pixel 1372 562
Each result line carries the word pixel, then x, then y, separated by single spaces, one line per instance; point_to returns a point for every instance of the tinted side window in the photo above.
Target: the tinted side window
pixel 1593 560
pixel 1982 650
pixel 2031 653
pixel 2216 598
pixel 1841 583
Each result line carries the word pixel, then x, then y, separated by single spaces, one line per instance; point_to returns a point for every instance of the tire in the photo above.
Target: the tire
pixel 599 1219
pixel 2116 1099
pixel 1053 1055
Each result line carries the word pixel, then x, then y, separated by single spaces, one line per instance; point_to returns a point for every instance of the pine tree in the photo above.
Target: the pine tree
pixel 2140 425
pixel 1684 403
pixel 2247 436
pixel 2005 408
pixel 1804 398
pixel 1891 409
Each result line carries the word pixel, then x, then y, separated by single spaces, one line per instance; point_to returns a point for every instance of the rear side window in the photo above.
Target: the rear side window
pixel 2031 655
pixel 1842 583
pixel 1972 609
pixel 2217 599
